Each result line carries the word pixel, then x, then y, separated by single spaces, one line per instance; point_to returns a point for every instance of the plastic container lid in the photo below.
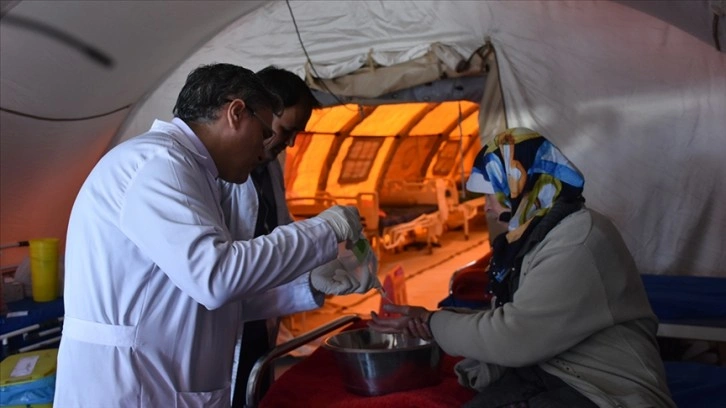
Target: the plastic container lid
pixel 27 367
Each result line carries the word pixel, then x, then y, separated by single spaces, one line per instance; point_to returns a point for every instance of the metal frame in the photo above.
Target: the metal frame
pixel 261 367
pixel 694 329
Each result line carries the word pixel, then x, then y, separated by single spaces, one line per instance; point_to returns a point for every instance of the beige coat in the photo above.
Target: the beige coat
pixel 580 313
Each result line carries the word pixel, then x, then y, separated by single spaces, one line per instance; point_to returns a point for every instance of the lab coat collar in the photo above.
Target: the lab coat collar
pixel 186 136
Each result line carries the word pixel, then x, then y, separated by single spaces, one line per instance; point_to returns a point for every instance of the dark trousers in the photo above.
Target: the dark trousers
pixel 529 387
pixel 254 345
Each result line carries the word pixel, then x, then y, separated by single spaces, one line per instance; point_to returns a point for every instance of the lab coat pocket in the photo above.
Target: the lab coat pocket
pixel 218 399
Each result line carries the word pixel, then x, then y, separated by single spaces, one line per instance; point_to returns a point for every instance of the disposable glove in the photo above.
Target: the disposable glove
pixel 333 279
pixel 347 274
pixel 363 264
pixel 345 222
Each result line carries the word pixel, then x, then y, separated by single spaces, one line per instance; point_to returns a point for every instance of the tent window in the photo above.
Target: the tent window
pixel 411 158
pixel 446 158
pixel 359 160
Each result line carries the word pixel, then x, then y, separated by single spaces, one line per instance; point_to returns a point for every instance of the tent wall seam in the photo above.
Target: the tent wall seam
pixel 45 118
pixel 501 87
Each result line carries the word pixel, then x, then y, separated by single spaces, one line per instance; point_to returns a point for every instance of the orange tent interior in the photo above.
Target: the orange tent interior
pixel 395 162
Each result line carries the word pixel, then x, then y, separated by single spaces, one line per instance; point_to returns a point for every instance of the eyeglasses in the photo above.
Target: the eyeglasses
pixel 268 132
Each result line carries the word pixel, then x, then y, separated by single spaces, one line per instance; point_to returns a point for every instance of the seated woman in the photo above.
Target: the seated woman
pixel 571 325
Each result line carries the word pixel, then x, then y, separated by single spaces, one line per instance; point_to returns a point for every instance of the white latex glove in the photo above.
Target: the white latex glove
pixel 365 271
pixel 345 221
pixel 333 279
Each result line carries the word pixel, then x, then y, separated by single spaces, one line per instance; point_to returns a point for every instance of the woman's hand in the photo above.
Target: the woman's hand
pixel 414 321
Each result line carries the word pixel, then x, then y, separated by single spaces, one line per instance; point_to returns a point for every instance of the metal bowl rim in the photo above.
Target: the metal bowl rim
pixel 327 345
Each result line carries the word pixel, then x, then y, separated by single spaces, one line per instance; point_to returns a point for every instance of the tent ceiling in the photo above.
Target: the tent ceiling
pixel 334 119
pixel 392 120
pixel 44 76
pixel 443 117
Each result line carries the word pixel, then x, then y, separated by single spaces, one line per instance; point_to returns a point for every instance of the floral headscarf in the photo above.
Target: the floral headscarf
pixel 527 173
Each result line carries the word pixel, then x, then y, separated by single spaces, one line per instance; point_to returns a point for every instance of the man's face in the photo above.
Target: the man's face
pixel 286 126
pixel 243 148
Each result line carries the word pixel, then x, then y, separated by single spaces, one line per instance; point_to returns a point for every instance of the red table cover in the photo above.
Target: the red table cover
pixel 316 382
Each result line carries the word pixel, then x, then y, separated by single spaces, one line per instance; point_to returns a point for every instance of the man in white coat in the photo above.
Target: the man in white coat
pixel 155 281
pixel 259 206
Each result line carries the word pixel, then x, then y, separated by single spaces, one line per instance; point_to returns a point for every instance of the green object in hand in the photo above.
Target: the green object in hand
pixel 360 249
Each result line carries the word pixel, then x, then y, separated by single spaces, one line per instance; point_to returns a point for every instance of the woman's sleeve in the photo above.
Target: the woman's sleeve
pixel 560 302
pixel 477 375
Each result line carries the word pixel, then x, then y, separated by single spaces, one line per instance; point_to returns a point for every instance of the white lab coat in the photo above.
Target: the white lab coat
pixel 155 282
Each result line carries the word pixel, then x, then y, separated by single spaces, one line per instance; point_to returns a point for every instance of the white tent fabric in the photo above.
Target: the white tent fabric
pixel 44 162
pixel 633 92
pixel 640 110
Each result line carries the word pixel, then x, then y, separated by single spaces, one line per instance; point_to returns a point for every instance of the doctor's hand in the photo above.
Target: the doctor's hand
pixel 345 222
pixel 333 279
pixel 413 321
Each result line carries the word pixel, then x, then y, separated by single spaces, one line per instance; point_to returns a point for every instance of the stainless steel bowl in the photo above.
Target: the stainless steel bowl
pixel 373 363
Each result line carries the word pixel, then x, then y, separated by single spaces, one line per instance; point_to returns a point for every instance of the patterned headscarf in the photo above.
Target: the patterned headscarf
pixel 527 173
